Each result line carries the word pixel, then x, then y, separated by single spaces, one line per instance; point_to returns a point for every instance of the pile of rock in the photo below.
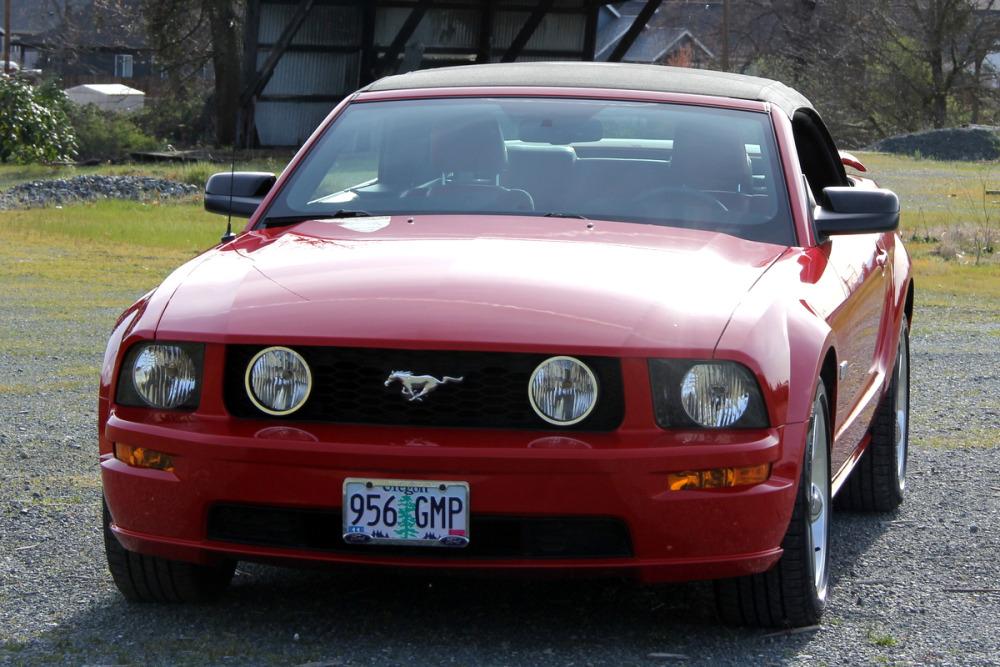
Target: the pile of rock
pixel 89 188
pixel 970 143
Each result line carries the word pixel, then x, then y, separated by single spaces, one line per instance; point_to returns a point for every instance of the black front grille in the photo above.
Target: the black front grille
pixel 349 387
pixel 490 536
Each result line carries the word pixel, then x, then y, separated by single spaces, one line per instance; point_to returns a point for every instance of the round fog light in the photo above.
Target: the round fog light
pixel 562 391
pixel 278 381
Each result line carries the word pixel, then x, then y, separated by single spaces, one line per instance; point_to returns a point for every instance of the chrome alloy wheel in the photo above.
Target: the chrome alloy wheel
pixel 902 406
pixel 819 494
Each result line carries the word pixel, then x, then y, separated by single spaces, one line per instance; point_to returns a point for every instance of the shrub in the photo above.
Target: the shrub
pixel 33 123
pixel 181 119
pixel 108 135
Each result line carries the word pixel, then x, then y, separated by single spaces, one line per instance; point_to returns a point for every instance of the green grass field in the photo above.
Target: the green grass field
pixel 943 208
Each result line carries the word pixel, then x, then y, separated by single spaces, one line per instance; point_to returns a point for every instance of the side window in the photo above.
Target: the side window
pixel 817 155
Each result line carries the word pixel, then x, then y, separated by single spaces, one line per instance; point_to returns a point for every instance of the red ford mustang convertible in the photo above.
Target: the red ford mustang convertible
pixel 609 319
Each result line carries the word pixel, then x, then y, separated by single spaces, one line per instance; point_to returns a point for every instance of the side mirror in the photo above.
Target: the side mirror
pixel 237 193
pixel 857 211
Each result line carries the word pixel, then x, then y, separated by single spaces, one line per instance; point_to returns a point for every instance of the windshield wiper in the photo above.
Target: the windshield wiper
pixel 294 219
pixel 564 215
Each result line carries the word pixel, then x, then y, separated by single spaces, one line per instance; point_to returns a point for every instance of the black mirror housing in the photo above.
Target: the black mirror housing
pixel 237 193
pixel 851 210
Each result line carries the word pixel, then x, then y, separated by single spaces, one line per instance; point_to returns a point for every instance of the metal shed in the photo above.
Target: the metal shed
pixel 303 56
pixel 107 96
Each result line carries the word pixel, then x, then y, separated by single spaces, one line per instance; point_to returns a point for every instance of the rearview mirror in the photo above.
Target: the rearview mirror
pixel 237 193
pixel 857 211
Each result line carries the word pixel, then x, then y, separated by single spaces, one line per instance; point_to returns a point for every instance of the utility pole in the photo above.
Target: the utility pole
pixel 6 36
pixel 725 35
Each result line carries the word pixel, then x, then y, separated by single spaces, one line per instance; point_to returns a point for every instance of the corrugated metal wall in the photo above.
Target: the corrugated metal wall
pixel 326 58
pixel 323 59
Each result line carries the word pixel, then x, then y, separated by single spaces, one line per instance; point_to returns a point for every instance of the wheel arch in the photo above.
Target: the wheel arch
pixel 908 303
pixel 828 374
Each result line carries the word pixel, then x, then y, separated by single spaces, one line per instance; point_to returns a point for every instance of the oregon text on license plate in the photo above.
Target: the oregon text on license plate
pixel 416 513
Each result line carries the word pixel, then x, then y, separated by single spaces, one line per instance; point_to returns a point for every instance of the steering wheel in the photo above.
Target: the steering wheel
pixel 659 197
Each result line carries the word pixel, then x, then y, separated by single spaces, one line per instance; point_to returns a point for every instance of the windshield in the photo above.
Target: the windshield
pixel 641 162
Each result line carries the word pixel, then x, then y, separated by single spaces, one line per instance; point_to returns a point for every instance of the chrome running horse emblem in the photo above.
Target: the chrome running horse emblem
pixel 415 387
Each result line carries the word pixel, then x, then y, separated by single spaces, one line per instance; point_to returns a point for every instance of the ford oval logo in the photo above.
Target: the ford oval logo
pixel 454 541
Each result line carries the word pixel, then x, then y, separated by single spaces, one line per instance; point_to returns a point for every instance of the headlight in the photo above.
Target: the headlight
pixel 562 390
pixel 165 376
pixel 710 394
pixel 278 380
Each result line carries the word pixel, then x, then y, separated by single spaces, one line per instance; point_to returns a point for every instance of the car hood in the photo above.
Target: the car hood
pixel 482 282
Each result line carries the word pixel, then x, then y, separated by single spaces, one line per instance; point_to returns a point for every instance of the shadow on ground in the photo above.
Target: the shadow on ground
pixel 282 616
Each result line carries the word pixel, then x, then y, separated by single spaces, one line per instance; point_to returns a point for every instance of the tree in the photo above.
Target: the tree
pixel 33 123
pixel 187 35
pixel 875 68
pixel 407 524
pixel 950 39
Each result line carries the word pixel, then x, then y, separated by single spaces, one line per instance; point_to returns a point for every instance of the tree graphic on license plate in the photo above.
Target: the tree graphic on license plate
pixel 407 526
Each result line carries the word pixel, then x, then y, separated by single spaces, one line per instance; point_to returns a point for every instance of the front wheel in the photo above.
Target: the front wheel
pixel 793 592
pixel 143 578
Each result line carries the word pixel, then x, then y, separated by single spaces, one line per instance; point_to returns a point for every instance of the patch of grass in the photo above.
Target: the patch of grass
pixel 182 226
pixel 945 203
pixel 985 438
pixel 929 185
pixel 882 639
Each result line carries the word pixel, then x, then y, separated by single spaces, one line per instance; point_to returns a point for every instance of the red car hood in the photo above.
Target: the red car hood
pixel 482 282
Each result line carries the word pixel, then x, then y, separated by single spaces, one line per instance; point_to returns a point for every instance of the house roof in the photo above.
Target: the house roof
pixel 701 20
pixel 654 44
pixel 601 75
pixel 111 89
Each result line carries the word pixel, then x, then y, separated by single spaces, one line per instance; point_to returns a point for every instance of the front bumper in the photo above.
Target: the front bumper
pixel 622 476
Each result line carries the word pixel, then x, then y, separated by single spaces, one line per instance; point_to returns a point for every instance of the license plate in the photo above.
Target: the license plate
pixel 414 513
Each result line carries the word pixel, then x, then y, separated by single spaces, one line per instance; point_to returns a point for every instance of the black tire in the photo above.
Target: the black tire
pixel 150 579
pixel 878 481
pixel 790 594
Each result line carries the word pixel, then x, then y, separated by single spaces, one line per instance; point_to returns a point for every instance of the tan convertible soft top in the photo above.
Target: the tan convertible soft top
pixel 625 76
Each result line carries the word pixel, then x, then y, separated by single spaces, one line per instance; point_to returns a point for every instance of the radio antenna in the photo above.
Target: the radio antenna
pixel 229 236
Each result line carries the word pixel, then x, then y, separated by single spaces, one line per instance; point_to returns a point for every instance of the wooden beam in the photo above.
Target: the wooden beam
pixel 485 46
pixel 628 39
pixel 254 87
pixel 388 64
pixel 369 57
pixel 526 31
pixel 590 38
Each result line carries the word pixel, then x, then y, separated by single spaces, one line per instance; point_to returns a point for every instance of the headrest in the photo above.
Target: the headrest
pixel 470 147
pixel 710 157
pixel 404 155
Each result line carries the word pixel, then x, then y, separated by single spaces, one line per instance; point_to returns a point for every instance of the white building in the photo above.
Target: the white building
pixel 107 96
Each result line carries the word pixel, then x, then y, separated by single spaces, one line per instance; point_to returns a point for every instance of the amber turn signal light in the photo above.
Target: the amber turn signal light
pixel 140 457
pixel 718 478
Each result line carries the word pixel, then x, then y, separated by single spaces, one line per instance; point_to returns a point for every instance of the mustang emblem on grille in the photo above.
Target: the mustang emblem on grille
pixel 415 387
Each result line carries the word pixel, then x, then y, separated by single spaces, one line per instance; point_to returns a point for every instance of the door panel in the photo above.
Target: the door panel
pixel 860 261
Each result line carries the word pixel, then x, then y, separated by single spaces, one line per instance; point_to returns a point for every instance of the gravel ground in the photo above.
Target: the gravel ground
pixel 921 586
pixel 62 191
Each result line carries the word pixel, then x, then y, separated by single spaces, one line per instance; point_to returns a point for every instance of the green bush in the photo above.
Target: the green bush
pixel 108 135
pixel 182 119
pixel 33 123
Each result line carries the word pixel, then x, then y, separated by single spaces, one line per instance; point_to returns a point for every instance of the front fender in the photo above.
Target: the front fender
pixel 779 331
